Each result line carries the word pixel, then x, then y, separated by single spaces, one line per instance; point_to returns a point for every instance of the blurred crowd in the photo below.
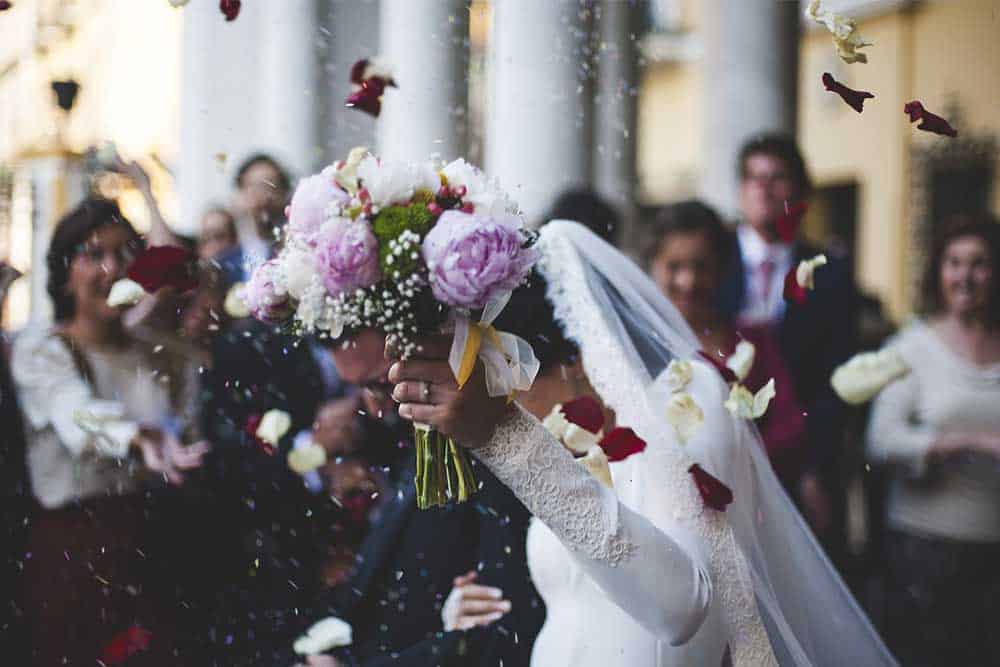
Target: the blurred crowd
pixel 177 536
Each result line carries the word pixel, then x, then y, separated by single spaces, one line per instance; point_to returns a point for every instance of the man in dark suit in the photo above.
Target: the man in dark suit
pixel 814 337
pixel 408 564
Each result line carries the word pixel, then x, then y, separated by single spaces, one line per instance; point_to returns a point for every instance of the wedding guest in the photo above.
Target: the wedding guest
pixel 89 577
pixel 159 232
pixel 814 337
pixel 590 210
pixel 217 232
pixel 412 557
pixel 689 251
pixel 939 427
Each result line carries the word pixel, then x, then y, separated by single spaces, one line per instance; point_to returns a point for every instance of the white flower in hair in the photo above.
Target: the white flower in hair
pixel 125 292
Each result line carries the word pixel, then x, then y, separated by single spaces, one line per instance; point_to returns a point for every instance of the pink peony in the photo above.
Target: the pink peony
pixel 473 259
pixel 264 297
pixel 311 201
pixel 347 255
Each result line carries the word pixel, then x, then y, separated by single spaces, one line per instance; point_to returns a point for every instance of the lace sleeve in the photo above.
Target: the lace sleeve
pixel 659 579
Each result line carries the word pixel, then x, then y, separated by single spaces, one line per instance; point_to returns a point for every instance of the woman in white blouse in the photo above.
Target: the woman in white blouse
pixel 939 426
pixel 100 412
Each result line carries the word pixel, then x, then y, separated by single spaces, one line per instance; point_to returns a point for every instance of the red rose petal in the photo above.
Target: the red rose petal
pixel 585 412
pixel 125 644
pixel 621 443
pixel 164 266
pixel 854 98
pixel 5 5
pixel 358 71
pixel 714 493
pixel 368 97
pixel 230 8
pixel 794 292
pixel 787 225
pixel 720 365
pixel 929 122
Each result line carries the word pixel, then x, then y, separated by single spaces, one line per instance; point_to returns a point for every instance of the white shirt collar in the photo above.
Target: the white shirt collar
pixel 755 249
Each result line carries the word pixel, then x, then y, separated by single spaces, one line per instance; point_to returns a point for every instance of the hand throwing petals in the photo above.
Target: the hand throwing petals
pixel 854 98
pixel 846 40
pixel 866 374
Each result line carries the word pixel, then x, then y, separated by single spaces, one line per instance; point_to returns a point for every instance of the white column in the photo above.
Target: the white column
pixel 426 44
pixel 538 134
pixel 288 99
pixel 615 113
pixel 751 61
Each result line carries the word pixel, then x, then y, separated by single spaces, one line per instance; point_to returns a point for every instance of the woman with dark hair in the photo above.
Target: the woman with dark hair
pixel 939 426
pixel 686 258
pixel 99 410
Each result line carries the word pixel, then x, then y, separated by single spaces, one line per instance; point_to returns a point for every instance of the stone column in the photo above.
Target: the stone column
pixel 614 158
pixel 750 73
pixel 426 43
pixel 539 109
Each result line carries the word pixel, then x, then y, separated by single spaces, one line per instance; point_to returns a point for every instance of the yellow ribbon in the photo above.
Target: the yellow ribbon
pixel 471 351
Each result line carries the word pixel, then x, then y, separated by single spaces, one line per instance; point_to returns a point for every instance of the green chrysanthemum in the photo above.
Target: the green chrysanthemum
pixel 390 223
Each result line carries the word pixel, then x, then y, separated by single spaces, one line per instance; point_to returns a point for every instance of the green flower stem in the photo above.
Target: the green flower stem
pixel 444 473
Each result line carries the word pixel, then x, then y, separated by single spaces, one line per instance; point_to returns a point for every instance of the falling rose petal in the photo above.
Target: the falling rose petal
pixel 866 374
pixel 727 373
pixel 741 360
pixel 164 266
pixel 794 292
pixel 585 412
pixel 684 415
pixel 126 644
pixel 744 405
pixel 714 493
pixel 846 39
pixel 230 9
pixel 854 98
pixel 621 443
pixel 787 225
pixel 800 279
pixel 371 78
pixel 596 463
pixel 250 428
pixel 5 5
pixel 929 122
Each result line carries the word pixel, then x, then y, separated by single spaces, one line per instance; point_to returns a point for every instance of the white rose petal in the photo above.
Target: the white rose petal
pixel 323 636
pixel 306 457
pixel 678 375
pixel 684 415
pixel 273 425
pixel 745 405
pixel 125 292
pixel 346 175
pixel 866 374
pixel 741 360
pixel 556 423
pixel 596 463
pixel 235 304
pixel 579 440
pixel 844 30
pixel 804 274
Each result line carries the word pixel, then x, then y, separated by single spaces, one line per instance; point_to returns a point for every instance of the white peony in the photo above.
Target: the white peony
pixel 596 463
pixel 390 182
pixel 684 415
pixel 235 304
pixel 866 374
pixel 323 636
pixel 678 375
pixel 741 360
pixel 125 292
pixel 298 271
pixel 273 425
pixel 745 405
pixel 482 192
pixel 805 272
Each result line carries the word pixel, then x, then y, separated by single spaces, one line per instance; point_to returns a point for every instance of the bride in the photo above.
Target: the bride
pixel 644 572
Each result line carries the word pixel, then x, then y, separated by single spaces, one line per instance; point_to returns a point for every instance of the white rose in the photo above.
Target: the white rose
pixel 684 415
pixel 298 268
pixel 741 360
pixel 273 425
pixel 327 634
pixel 866 374
pixel 125 292
pixel 678 375
pixel 745 405
pixel 579 440
pixel 596 463
pixel 804 274
pixel 306 456
pixel 235 305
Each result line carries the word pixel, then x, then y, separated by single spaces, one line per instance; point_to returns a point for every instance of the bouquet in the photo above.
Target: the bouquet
pixel 410 249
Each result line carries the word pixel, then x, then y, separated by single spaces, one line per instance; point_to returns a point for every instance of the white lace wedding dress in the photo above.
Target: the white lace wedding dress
pixel 644 574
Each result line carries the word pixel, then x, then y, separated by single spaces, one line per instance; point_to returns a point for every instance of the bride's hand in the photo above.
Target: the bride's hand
pixel 470 605
pixel 428 394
